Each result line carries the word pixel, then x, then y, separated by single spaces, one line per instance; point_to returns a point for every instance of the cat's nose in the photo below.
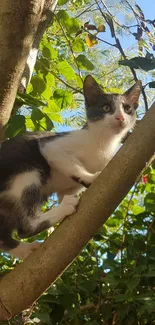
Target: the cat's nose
pixel 120 118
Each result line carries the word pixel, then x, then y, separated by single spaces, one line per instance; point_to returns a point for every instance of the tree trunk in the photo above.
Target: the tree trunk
pixel 19 21
pixel 45 20
pixel 21 287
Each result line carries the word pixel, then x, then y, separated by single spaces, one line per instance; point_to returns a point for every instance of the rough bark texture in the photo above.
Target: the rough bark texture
pixel 26 282
pixel 45 20
pixel 19 21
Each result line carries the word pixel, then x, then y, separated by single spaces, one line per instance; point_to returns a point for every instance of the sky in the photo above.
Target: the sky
pixel 148 6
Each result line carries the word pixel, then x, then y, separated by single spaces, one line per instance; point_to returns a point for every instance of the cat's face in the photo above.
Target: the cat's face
pixel 118 112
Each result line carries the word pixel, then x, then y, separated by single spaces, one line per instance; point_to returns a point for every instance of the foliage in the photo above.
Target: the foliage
pixel 113 279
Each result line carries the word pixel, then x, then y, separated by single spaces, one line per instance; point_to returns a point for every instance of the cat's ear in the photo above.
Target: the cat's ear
pixel 91 90
pixel 133 93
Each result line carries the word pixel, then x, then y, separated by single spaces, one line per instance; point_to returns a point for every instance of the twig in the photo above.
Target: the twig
pixel 100 284
pixel 86 10
pixel 114 320
pixel 76 90
pixel 69 43
pixel 116 22
pixel 119 47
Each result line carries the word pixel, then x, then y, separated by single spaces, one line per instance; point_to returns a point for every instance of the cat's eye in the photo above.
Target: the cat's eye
pixel 127 109
pixel 106 108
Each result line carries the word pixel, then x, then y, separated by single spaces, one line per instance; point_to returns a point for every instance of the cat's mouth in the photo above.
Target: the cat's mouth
pixel 119 125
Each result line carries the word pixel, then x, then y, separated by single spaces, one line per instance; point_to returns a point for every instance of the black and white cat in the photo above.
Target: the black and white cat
pixel 34 166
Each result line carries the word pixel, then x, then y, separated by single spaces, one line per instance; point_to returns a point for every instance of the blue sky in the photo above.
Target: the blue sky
pixel 148 6
pixel 127 41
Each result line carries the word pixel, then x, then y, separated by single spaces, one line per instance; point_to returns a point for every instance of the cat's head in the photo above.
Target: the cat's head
pixel 118 112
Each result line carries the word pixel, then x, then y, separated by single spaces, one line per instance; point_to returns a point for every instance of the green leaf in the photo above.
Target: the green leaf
pixel 43 316
pixel 113 222
pixel 48 51
pixel 36 115
pixel 55 117
pixel 136 209
pixel 62 16
pixel 149 202
pixel 47 94
pixel 150 274
pixel 41 120
pixel 52 107
pixel 84 63
pixel 29 124
pixel 16 125
pixel 66 70
pixel 122 297
pixel 152 84
pixel 38 84
pixel 133 283
pixel 50 79
pixel 78 45
pixel 72 25
pixel 139 62
pixel 63 98
pixel 29 100
pixel 62 2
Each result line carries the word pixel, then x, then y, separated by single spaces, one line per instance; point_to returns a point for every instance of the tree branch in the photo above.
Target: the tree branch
pixel 21 287
pixel 119 47
pixel 45 20
pixel 19 21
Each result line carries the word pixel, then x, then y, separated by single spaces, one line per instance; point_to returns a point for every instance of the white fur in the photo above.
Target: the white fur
pixel 21 181
pixel 85 153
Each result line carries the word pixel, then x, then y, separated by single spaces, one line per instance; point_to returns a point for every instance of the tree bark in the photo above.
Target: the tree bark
pixel 19 21
pixel 22 286
pixel 45 20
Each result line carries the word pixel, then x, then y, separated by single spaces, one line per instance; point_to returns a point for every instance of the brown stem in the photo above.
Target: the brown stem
pixel 119 47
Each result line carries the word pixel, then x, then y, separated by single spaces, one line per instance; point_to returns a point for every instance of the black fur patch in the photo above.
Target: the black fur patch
pixel 31 199
pixel 96 112
pixel 21 154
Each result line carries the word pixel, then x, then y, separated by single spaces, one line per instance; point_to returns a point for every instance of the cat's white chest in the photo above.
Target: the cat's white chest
pixel 96 159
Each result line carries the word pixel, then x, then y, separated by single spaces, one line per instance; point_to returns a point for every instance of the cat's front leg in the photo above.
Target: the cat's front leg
pixel 39 223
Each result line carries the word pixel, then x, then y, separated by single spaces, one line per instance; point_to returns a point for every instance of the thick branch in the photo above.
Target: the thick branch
pixel 18 24
pixel 26 282
pixel 45 20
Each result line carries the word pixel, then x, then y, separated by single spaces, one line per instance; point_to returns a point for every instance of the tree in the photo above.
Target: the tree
pixel 112 280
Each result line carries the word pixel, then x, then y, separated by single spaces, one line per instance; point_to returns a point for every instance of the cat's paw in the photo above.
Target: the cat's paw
pixel 69 205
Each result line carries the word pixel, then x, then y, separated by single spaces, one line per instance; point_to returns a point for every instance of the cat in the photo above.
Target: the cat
pixel 36 165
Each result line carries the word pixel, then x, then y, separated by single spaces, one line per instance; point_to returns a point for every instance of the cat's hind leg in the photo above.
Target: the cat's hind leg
pixel 35 225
